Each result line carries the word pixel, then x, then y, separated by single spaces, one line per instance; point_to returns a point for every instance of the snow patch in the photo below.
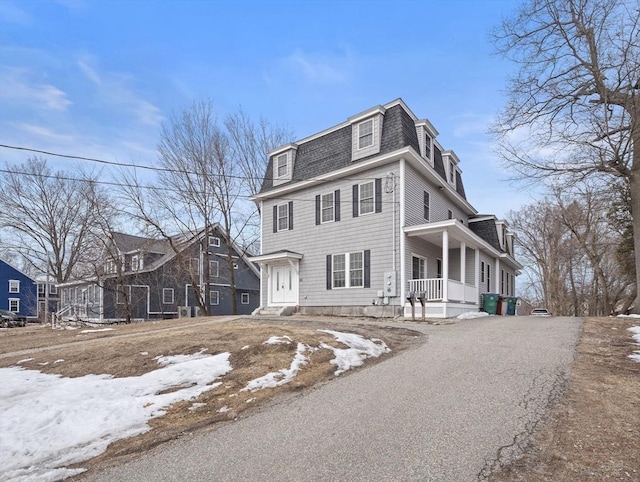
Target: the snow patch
pixel 635 356
pixel 97 330
pixel 470 315
pixel 359 349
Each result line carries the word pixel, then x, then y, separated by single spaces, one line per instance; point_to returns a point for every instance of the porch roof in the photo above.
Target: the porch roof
pixel 458 233
pixel 281 255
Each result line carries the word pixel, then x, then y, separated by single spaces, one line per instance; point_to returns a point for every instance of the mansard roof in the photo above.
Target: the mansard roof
pixel 331 150
pixel 485 227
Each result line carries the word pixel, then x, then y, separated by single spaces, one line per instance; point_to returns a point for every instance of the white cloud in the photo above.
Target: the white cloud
pixel 114 89
pixel 318 68
pixel 19 87
pixel 42 131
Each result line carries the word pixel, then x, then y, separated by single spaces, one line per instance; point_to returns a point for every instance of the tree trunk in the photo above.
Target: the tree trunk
pixel 634 183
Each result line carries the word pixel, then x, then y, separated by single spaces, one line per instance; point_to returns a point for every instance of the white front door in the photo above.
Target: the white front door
pixel 284 285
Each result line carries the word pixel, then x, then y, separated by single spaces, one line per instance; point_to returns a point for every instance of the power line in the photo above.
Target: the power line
pixel 141 186
pixel 157 168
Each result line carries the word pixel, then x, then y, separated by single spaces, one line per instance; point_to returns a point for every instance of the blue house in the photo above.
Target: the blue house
pixel 18 292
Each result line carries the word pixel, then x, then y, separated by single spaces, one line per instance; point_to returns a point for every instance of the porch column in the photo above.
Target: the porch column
pixel 463 262
pixel 445 265
pixel 477 265
pixel 496 277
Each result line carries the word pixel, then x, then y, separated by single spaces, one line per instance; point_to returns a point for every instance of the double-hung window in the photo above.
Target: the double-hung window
pixel 283 217
pixel 214 297
pixel 365 134
pixel 167 296
pixel 14 305
pixel 14 286
pixel 366 196
pixel 348 270
pixel 214 241
pixel 244 298
pixel 427 146
pixel 418 267
pixel 282 165
pixel 328 207
pixel 214 269
pixel 427 205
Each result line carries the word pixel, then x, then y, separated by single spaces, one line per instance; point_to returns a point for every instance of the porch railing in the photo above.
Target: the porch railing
pixel 431 287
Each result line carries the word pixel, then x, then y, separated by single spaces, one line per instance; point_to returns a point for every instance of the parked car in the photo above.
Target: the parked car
pixel 9 319
pixel 540 312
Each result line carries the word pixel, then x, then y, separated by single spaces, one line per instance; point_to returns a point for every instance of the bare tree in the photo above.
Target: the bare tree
pixel 49 217
pixel 574 104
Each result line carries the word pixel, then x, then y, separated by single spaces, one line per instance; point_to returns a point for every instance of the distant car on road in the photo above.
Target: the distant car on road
pixel 540 312
pixel 9 319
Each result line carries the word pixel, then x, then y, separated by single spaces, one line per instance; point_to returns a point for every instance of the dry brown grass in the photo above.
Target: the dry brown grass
pixel 594 430
pixel 130 350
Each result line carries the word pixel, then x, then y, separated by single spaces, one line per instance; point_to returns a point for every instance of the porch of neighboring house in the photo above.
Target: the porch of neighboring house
pixel 455 252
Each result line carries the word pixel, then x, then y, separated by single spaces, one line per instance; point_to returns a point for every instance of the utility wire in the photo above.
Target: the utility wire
pixel 156 168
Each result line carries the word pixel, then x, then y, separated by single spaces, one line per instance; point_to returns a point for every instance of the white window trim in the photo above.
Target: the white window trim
pixel 41 288
pixel 53 289
pixel 371 134
pixel 244 298
pixel 423 258
pixel 285 217
pixel 14 286
pixel 279 157
pixel 333 207
pixel 164 298
pixel 347 271
pixel 17 302
pixel 214 300
pixel 428 206
pixel 135 262
pixel 373 198
pixel 217 270
pixel 214 241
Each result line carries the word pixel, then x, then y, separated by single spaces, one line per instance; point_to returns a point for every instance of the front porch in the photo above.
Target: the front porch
pixel 453 249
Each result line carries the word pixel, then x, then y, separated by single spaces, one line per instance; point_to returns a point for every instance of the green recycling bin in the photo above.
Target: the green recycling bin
pixel 490 302
pixel 512 302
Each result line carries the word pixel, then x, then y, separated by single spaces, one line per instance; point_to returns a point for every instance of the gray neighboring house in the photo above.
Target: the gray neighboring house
pixel 147 278
pixel 356 216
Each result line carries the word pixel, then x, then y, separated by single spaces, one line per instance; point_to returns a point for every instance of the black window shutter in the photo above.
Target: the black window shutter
pixel 378 195
pixel 290 214
pixel 317 209
pixel 355 200
pixel 367 268
pixel 336 198
pixel 329 271
pixel 275 219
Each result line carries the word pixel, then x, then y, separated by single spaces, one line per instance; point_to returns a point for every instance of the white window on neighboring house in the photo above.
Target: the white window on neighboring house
pixel 14 286
pixel 244 298
pixel 367 197
pixel 214 296
pixel 282 165
pixel 53 290
pixel 134 262
pixel 214 269
pixel 167 296
pixel 195 266
pixel 214 241
pixel 14 305
pixel 365 134
pixel 41 288
pixel 327 207
pixel 110 267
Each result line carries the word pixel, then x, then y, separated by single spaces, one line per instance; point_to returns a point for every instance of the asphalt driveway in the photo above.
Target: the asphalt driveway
pixel 452 409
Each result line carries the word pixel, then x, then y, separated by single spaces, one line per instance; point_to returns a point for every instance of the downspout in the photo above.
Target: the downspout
pixel 403 281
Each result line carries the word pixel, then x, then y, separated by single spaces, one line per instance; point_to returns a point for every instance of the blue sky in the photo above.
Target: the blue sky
pixel 98 78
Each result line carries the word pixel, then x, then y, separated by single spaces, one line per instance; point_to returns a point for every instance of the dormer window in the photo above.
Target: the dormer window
pixel 365 134
pixel 452 173
pixel 281 162
pixel 283 159
pixel 427 146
